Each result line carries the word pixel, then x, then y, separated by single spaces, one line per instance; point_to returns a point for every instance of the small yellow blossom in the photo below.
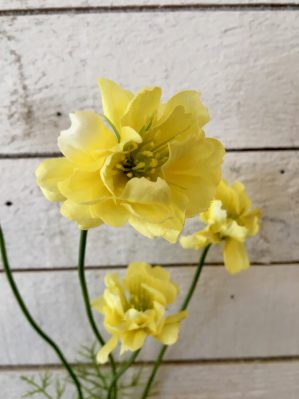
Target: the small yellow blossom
pixel 144 162
pixel 135 307
pixel 230 219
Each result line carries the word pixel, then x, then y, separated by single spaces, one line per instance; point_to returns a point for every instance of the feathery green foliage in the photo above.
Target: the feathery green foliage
pixel 95 380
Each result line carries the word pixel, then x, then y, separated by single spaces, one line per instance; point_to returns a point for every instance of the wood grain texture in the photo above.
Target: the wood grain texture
pixel 253 314
pixel 42 4
pixel 249 83
pixel 38 236
pixel 278 380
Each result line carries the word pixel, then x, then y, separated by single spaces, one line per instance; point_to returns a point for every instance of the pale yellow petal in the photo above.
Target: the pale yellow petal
pixel 169 229
pixel 84 187
pixel 132 341
pixel 235 231
pixel 115 100
pixel 102 356
pixel 194 168
pixel 87 141
pixel 175 318
pixel 251 220
pixel 169 334
pixel 196 241
pixel 111 212
pixel 177 123
pixel 51 172
pixel 80 214
pixel 127 135
pixel 235 256
pixel 144 191
pixel 192 104
pixel 215 213
pixel 142 108
pixel 114 179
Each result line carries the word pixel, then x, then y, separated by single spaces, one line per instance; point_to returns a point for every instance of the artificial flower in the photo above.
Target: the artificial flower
pixel 230 219
pixel 143 162
pixel 135 308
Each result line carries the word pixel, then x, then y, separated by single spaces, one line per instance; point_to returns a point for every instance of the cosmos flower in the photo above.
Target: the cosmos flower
pixel 231 220
pixel 143 162
pixel 135 308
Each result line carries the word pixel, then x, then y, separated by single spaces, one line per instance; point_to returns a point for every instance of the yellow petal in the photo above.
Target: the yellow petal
pixel 111 212
pixel 175 318
pixel 192 104
pixel 194 168
pixel 177 123
pixel 51 172
pixel 105 351
pixel 114 179
pixel 251 220
pixel 169 334
pixel 115 100
pixel 196 241
pixel 99 304
pixel 144 191
pixel 142 108
pixel 87 141
pixel 80 214
pixel 132 341
pixel 215 213
pixel 235 231
pixel 84 187
pixel 235 256
pixel 169 229
pixel 127 134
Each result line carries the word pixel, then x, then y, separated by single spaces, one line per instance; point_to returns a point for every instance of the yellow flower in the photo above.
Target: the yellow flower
pixel 149 164
pixel 229 219
pixel 135 308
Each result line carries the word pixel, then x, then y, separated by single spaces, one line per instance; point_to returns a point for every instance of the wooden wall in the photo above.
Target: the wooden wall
pixel 242 339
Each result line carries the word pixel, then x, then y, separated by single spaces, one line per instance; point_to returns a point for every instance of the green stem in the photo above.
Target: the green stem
pixel 183 307
pixel 86 298
pixel 30 319
pixel 121 372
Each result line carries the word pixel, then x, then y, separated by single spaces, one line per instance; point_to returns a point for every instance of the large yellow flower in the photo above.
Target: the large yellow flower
pixel 136 308
pixel 229 219
pixel 149 164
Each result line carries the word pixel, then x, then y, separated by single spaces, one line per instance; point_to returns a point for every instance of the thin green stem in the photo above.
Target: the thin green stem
pixel 121 372
pixel 86 298
pixel 196 277
pixel 183 307
pixel 30 319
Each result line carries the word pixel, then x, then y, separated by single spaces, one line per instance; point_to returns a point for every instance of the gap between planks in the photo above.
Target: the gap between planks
pixel 119 267
pixel 152 8
pixel 29 155
pixel 169 363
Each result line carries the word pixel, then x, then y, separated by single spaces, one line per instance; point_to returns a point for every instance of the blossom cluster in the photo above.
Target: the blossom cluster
pixel 149 164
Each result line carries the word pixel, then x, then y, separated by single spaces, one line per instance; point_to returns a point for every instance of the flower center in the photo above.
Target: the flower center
pixel 143 161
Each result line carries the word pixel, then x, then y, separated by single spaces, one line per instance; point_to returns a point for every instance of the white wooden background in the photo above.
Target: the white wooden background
pixel 242 340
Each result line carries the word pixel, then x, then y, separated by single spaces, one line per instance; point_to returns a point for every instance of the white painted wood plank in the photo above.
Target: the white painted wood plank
pixel 277 380
pixel 38 236
pixel 245 64
pixel 42 4
pixel 254 314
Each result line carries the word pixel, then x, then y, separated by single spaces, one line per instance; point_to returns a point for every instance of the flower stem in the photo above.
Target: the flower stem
pixel 30 319
pixel 183 307
pixel 121 372
pixel 86 298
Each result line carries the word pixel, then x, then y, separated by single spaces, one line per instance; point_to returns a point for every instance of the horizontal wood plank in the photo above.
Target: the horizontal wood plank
pixel 249 83
pixel 85 4
pixel 251 315
pixel 38 236
pixel 277 380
